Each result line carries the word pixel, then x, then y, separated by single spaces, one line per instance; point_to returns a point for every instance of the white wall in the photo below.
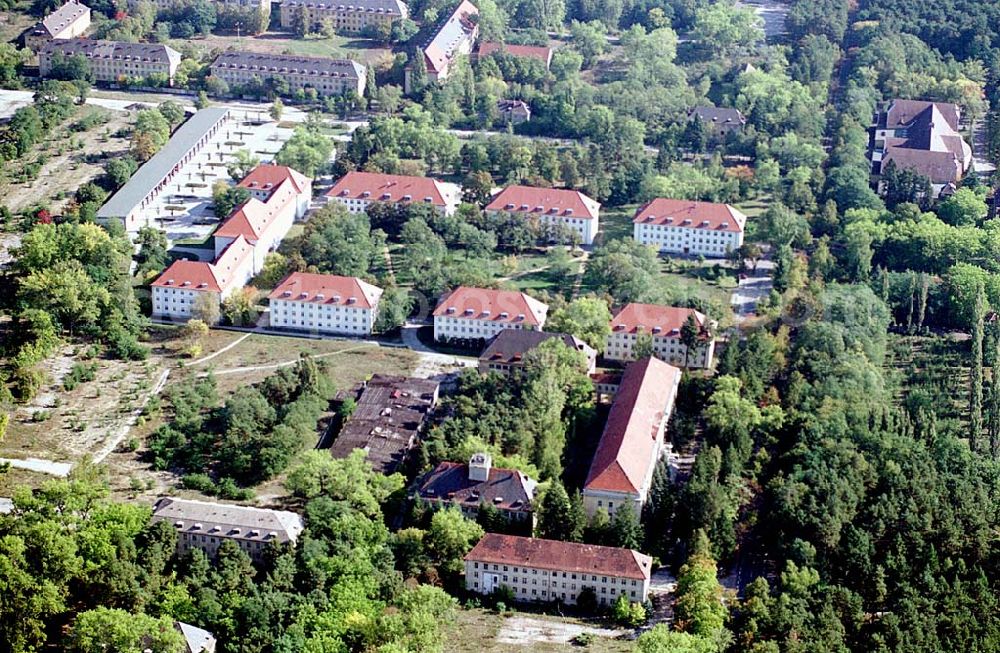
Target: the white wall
pixel 531 584
pixel 687 240
pixel 456 326
pixel 308 316
pixel 670 350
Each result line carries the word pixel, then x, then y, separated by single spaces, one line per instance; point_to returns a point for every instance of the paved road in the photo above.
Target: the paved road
pixel 753 289
pixel 980 161
pixel 42 466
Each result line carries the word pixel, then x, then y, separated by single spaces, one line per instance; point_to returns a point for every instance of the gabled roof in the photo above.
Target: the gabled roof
pixel 539 52
pixel 62 18
pixel 902 113
pixel 150 52
pixel 378 187
pixel 327 289
pixel 690 214
pixel 554 555
pixel 510 345
pixel 267 177
pixel 719 115
pixel 458 28
pixel 238 522
pixel 506 489
pixel 204 276
pixel 556 202
pixel 493 305
pixel 381 7
pixel 628 447
pixel 196 639
pixel 253 218
pixel 654 319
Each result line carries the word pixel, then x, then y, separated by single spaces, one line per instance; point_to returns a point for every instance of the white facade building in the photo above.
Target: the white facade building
pixel 325 75
pixel 569 208
pixel 663 324
pixel 359 190
pixel 549 570
pixel 176 291
pixel 112 61
pixel 687 227
pixel 472 314
pixel 325 303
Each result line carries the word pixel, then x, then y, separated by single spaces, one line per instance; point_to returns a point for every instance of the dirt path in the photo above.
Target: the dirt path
pixel 274 366
pixel 133 417
pixel 205 359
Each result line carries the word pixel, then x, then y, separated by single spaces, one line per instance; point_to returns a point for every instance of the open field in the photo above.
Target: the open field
pixel 12 23
pixel 616 223
pixel 285 43
pixel 481 631
pixel 67 159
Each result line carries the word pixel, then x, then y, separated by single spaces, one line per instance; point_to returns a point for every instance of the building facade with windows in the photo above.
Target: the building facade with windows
pixel 549 570
pixel 113 61
pixel 663 325
pixel 325 75
pixel 67 22
pixel 569 208
pixel 358 190
pixel 688 227
pixel 477 314
pixel 633 440
pixel 177 292
pixel 351 17
pixel 204 525
pixel 325 303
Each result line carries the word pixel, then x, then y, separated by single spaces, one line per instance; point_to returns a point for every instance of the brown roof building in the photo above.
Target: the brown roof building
pixel 689 227
pixel 506 351
pixel 570 208
pixel 720 120
pixel 923 137
pixel 454 38
pixel 111 61
pixel 358 190
pixel 553 571
pixel 633 438
pixel 388 420
pixel 663 325
pixel 479 483
pixel 477 314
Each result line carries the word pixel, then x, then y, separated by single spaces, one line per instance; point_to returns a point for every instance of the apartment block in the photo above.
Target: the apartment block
pixel 663 325
pixel 112 61
pixel 352 17
pixel 569 208
pixel 358 190
pixel 473 315
pixel 687 227
pixel 67 22
pixel 325 303
pixel 325 75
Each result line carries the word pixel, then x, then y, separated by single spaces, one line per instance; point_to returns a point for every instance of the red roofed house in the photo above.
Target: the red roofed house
pixel 538 52
pixel 633 439
pixel 477 314
pixel 358 190
pixel 687 227
pixel 278 195
pixel 325 303
pixel 550 570
pixel 663 324
pixel 456 37
pixel 176 291
pixel 570 208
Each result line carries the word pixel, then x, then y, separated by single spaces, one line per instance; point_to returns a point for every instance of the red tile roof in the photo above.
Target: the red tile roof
pixel 327 289
pixel 494 305
pixel 654 319
pixel 377 187
pixel 628 447
pixel 266 177
pixel 189 275
pixel 694 215
pixel 539 52
pixel 554 555
pixel 200 275
pixel 254 218
pixel 545 201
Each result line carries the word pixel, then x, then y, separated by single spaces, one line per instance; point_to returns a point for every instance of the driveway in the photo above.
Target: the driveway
pixel 753 289
pixel 526 631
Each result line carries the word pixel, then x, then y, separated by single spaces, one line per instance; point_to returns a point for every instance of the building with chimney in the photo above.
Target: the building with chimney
pixel 467 487
pixel 454 39
pixel 352 17
pixel 553 571
pixel 358 190
pixel 663 325
pixel 67 22
pixel 113 61
pixel 472 316
pixel 551 206
pixel 327 76
pixel 689 228
pixel 324 303
pixel 205 525
pixel 633 439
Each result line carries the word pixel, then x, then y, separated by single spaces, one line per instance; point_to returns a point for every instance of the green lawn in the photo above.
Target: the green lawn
pixel 616 223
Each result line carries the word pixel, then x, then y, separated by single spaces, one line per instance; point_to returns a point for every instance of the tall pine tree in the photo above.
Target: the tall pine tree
pixel 976 381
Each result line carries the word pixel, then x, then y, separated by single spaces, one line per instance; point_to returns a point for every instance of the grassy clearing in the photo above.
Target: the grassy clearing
pixel 475 631
pixel 616 223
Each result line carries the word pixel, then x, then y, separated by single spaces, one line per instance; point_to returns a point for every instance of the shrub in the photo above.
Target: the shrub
pixel 583 639
pixel 200 482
